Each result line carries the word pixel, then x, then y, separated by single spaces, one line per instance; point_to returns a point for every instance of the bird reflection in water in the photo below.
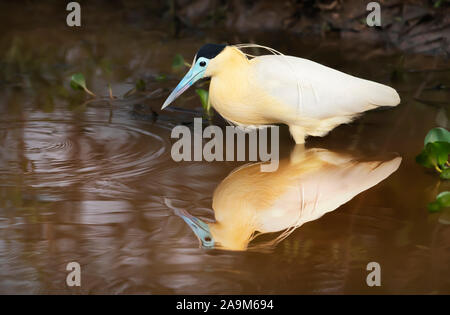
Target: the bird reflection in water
pixel 310 183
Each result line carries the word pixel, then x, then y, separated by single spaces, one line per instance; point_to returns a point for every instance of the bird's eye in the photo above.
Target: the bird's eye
pixel 202 63
pixel 207 239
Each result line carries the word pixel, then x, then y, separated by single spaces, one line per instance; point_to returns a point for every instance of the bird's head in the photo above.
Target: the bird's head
pixel 232 234
pixel 200 228
pixel 201 68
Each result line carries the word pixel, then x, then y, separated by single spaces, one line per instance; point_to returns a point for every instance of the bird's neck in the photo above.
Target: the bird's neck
pixel 228 60
pixel 232 236
pixel 230 89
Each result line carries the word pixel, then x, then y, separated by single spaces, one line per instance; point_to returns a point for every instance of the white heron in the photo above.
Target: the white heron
pixel 311 183
pixel 310 98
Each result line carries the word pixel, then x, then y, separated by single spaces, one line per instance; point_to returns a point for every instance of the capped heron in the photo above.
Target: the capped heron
pixel 305 187
pixel 310 98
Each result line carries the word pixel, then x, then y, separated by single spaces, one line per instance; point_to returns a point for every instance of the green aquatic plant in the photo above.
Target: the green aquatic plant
pixel 111 96
pixel 78 82
pixel 436 151
pixel 203 94
pixel 161 77
pixel 437 134
pixel 442 201
pixel 204 99
pixel 437 4
pixel 179 63
pixel 138 87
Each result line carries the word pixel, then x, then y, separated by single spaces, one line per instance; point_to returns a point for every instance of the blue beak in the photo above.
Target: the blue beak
pixel 194 74
pixel 200 228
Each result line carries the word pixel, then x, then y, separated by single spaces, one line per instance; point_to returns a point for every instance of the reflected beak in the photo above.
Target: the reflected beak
pixel 198 226
pixel 189 79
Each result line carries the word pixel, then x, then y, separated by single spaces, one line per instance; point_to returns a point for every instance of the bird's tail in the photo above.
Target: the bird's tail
pixel 380 94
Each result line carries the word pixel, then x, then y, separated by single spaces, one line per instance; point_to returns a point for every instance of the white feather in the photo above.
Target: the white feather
pixel 323 191
pixel 316 91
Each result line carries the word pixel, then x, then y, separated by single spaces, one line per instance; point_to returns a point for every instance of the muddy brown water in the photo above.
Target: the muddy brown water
pixel 86 182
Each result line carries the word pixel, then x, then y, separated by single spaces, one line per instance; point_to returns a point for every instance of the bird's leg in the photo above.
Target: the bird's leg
pixel 298 133
pixel 297 153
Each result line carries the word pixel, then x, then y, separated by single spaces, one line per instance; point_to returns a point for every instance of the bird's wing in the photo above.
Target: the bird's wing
pixel 324 190
pixel 317 91
pixel 331 187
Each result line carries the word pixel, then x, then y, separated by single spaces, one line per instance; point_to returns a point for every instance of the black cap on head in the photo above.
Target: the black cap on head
pixel 210 51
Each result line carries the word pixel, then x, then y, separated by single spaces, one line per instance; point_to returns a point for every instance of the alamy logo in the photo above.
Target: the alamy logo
pixel 74 17
pixel 374 277
pixel 213 150
pixel 74 276
pixel 374 17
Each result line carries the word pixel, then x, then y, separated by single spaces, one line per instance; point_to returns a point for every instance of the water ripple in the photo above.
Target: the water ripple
pixel 63 153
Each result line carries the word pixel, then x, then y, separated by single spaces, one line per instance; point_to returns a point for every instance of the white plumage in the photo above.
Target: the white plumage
pixel 317 91
pixel 310 98
pixel 310 184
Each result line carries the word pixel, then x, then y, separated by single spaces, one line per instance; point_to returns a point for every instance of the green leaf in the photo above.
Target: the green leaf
pixel 161 77
pixel 444 199
pixel 203 94
pixel 434 155
pixel 140 85
pixel 77 82
pixel 178 62
pixel 445 174
pixel 437 135
pixel 434 206
pixel 438 151
pixel 424 159
pixel 437 4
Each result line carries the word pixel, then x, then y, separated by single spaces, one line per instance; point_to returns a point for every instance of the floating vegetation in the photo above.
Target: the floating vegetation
pixel 204 99
pixel 442 201
pixel 161 77
pixel 179 63
pixel 138 87
pixel 78 82
pixel 435 155
pixel 436 151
